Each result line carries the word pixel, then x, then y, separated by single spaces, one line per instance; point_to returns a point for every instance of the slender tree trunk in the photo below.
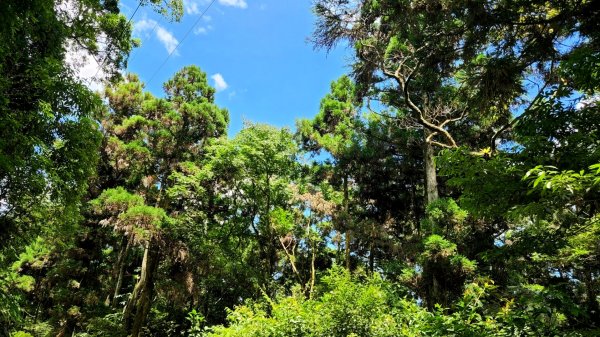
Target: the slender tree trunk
pixel 271 252
pixel 141 297
pixel 38 297
pixel 414 225
pixel 139 303
pixel 346 225
pixel 121 270
pixel 591 294
pixel 431 185
pixel 313 273
pixel 206 304
pixel 292 258
pixel 372 249
pixel 348 238
pixel 435 295
pixel 338 252
pixel 431 195
pixel 116 268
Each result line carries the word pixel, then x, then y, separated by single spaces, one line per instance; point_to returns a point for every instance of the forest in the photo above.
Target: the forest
pixel 448 185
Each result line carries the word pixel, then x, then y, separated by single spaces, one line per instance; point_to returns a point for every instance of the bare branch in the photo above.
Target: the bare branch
pixel 452 146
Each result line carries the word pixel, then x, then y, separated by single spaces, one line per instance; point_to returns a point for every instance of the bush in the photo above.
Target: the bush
pixel 359 306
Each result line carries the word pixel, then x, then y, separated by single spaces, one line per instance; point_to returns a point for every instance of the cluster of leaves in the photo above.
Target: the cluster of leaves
pixel 369 306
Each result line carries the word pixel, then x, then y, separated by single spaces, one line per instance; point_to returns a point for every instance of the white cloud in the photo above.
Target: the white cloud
pixel 200 31
pixel 191 7
pixel 143 25
pixel 164 36
pixel 234 3
pixel 86 68
pixel 588 101
pixel 220 83
pixel 197 6
pixel 167 39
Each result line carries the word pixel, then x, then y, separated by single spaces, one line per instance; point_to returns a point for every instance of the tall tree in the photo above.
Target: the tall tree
pixel 48 140
pixel 333 130
pixel 455 70
pixel 250 174
pixel 451 65
pixel 147 139
pixel 49 133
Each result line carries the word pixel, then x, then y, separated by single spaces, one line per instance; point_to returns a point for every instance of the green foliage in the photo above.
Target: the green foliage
pixel 344 307
pixel 283 221
pixel 488 186
pixel 35 255
pixel 25 283
pixel 548 179
pixel 116 200
pixel 136 214
pixel 196 321
pixel 147 215
pixel 440 258
pixel 581 68
pixel 109 325
pixel 152 144
pixel 49 134
pixel 358 306
pixel 20 334
pixel 333 127
pixel 444 213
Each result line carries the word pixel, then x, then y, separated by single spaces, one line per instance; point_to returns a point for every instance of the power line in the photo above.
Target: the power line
pixel 180 42
pixel 110 45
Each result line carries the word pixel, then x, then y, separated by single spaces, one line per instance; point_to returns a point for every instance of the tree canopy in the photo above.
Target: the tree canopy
pixel 448 185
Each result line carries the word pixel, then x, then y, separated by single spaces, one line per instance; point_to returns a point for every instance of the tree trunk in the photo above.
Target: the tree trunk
pixel 431 195
pixel 313 273
pixel 431 186
pixel 338 252
pixel 348 238
pixel 591 294
pixel 346 225
pixel 435 297
pixel 141 297
pixel 292 258
pixel 121 271
pixel 271 250
pixel 372 249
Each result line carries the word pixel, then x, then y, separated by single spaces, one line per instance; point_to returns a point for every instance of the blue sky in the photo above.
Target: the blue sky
pixel 255 52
